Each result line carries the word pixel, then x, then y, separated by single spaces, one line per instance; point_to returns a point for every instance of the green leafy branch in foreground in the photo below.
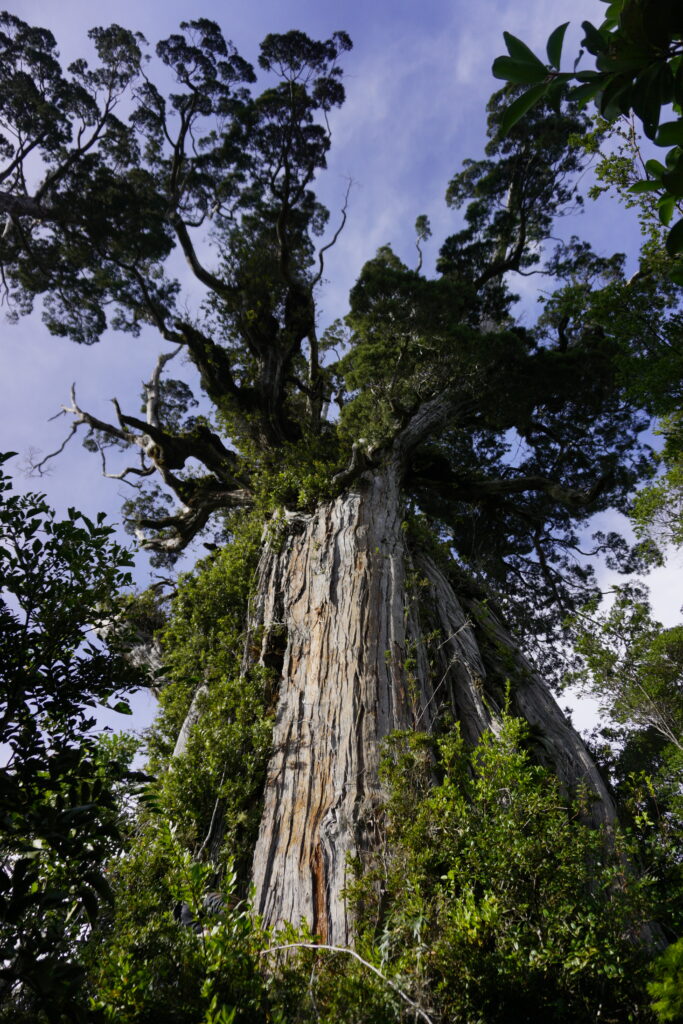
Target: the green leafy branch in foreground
pixel 638 51
pixel 60 784
pixel 493 902
pixel 494 897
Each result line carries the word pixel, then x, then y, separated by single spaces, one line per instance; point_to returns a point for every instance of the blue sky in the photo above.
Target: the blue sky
pixel 417 83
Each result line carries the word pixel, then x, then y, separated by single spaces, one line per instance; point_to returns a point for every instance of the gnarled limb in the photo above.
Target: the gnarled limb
pixel 223 487
pixel 209 497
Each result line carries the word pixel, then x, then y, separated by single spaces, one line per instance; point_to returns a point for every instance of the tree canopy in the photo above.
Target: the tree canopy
pixel 510 436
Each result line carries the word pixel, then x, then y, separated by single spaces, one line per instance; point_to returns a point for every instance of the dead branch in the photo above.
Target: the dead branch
pixel 192 518
pixel 152 386
pixel 335 236
pixel 351 952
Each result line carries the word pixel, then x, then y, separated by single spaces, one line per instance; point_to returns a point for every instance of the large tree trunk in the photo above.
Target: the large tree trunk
pixel 354 609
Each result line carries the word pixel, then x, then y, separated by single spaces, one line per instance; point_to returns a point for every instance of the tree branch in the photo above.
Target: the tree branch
pixel 27 206
pixel 429 416
pixel 335 236
pixel 461 488
pixel 209 497
pixel 213 283
pixel 351 952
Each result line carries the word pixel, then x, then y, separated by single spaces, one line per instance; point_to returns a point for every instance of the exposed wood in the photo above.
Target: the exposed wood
pixel 356 610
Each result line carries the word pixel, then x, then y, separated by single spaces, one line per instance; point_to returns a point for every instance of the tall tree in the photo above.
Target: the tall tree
pixel 410 529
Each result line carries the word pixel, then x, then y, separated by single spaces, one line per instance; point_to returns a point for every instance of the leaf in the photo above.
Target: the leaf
pixel 616 96
pixel 594 41
pixel 584 93
pixel 100 884
pixel 666 206
pixel 519 51
pixel 554 45
pixel 521 106
pixel 612 14
pixel 645 186
pixel 122 707
pixel 555 94
pixel 674 240
pixel 655 168
pixel 673 158
pixel 90 904
pixel 650 91
pixel 518 72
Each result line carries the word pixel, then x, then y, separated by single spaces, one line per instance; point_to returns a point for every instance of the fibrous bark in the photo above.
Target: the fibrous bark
pixel 356 608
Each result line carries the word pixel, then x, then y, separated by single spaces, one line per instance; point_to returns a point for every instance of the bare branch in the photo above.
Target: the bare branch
pixel 192 518
pixel 152 386
pixel 335 236
pixel 39 467
pixel 359 462
pixel 143 470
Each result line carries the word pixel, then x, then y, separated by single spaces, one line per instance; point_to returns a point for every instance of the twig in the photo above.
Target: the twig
pixel 351 952
pixel 219 800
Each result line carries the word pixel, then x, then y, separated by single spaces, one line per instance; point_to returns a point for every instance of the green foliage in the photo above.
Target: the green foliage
pixel 144 966
pixel 645 315
pixel 407 334
pixel 658 507
pixel 667 987
pixel 222 767
pixel 492 899
pixel 138 953
pixel 59 786
pixel 638 69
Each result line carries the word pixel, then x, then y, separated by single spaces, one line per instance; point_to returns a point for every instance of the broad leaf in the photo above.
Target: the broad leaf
pixel 583 94
pixel 521 106
pixel 645 186
pixel 554 45
pixel 515 71
pixel 520 51
pixel 594 41
pixel 666 206
pixel 655 168
pixel 674 240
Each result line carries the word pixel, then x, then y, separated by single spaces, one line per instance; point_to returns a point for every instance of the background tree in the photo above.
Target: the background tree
pixel 445 497
pixel 638 52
